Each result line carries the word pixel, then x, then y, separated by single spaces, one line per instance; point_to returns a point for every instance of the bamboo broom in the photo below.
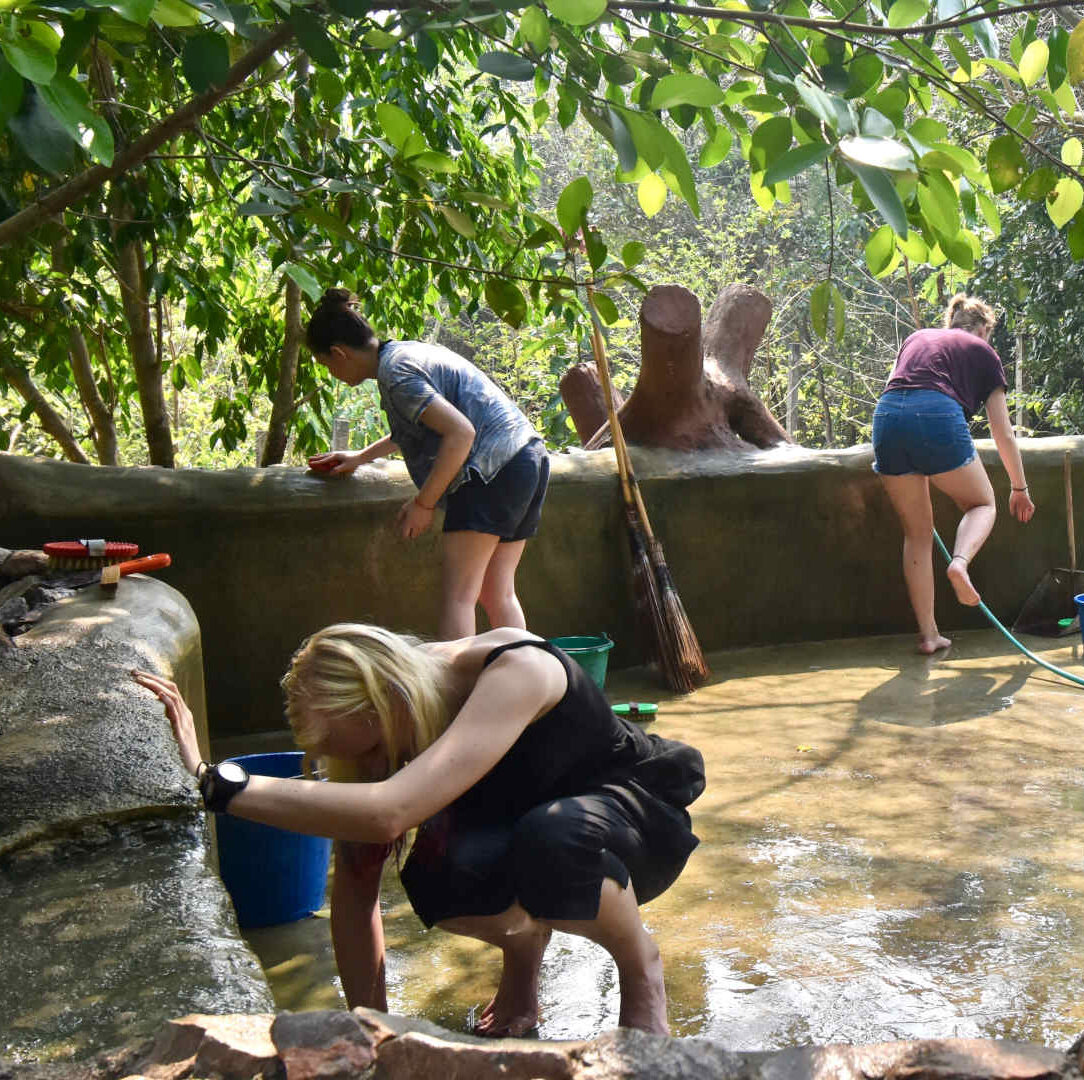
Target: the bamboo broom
pixel 658 606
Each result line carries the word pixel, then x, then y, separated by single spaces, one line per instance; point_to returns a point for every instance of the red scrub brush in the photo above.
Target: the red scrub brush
pixel 87 554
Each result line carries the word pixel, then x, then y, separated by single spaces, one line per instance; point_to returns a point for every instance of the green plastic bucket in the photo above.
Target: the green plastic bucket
pixel 590 651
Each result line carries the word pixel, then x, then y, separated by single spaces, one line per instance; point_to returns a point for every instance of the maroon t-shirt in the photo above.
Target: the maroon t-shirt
pixel 955 362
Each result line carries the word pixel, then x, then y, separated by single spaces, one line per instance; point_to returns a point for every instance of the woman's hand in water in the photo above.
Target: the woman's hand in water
pixel 1020 505
pixel 336 462
pixel 414 519
pixel 180 716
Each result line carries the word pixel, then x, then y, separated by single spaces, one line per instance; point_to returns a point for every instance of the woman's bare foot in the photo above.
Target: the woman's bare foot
pixel 966 593
pixel 514 1008
pixel 927 645
pixel 643 996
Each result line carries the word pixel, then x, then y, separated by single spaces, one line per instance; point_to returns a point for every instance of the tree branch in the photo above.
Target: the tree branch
pixel 59 199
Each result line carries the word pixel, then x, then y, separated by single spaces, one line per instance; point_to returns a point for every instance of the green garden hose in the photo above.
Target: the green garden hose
pixel 994 619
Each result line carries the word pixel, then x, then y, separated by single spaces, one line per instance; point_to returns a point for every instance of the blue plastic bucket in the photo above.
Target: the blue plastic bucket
pixel 272 875
pixel 590 651
pixel 1079 601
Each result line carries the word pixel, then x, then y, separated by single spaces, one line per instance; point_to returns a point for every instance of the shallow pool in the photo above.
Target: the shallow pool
pixel 891 847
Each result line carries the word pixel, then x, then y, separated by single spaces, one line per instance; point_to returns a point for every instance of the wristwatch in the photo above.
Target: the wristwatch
pixel 219 783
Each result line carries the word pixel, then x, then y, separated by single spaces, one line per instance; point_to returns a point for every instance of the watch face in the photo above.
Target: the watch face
pixel 231 772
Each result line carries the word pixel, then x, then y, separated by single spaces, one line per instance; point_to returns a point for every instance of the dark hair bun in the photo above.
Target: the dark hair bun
pixel 336 298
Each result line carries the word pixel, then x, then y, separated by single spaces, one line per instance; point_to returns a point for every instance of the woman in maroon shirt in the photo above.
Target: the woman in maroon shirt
pixel 920 434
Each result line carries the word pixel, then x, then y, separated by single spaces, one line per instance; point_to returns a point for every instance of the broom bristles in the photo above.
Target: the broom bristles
pixel 681 658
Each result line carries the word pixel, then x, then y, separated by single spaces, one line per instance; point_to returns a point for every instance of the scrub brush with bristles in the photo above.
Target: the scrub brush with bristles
pixel 87 554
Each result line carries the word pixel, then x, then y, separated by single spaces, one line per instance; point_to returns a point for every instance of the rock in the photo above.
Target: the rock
pixel 234 1047
pixel 22 563
pixel 324 1045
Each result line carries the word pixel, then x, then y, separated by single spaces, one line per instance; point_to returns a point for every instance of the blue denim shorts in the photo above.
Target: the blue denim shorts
pixel 920 431
pixel 510 505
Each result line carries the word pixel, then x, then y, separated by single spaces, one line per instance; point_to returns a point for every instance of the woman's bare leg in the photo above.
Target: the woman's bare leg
pixel 620 931
pixel 466 557
pixel 910 497
pixel 523 940
pixel 970 489
pixel 513 1009
pixel 498 595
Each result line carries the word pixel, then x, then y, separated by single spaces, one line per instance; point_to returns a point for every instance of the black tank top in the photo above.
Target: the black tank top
pixel 579 746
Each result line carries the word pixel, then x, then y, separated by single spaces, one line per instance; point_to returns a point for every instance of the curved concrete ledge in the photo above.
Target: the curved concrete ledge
pixel 114 919
pixel 765 547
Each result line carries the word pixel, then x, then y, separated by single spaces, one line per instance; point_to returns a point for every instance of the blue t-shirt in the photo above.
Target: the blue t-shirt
pixel 410 374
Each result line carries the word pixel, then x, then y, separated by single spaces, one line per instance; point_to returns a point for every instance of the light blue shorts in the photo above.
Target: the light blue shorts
pixel 920 431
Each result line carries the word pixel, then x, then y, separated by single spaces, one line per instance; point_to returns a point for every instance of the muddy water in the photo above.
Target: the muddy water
pixel 891 847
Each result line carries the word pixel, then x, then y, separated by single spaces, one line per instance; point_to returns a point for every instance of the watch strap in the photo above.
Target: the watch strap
pixel 216 790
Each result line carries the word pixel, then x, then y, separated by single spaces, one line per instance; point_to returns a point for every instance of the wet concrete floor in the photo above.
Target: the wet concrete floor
pixel 891 847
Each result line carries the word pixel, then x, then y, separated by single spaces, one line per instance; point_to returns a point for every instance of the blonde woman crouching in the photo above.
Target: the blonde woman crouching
pixel 536 807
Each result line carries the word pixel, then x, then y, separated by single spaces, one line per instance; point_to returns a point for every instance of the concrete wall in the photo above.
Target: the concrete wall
pixel 765 547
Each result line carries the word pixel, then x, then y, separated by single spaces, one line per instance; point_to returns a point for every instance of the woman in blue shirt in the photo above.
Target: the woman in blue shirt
pixel 467 447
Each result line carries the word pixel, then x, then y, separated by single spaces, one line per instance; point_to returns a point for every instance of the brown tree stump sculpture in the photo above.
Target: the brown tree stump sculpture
pixel 693 391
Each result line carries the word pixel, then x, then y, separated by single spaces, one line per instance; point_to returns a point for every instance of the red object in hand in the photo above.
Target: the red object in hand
pixel 322 466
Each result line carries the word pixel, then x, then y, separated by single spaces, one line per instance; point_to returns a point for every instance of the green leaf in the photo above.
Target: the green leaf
pixel 483 198
pixel 647 135
pixel 878 153
pixel 863 73
pixel 907 12
pixel 880 250
pixel 1005 162
pixel 1074 54
pixel 11 92
pixel 633 252
pixel 395 123
pixel 826 301
pixel 534 28
pixel 206 61
pixel 651 194
pixel 878 185
pixel 960 249
pixel 877 125
pixel 596 249
pixel 577 12
pixel 914 247
pixel 716 148
pixel 506 65
pixel 174 13
pixel 685 89
pixel 770 141
pixel 940 205
pixel 817 102
pixel 458 221
pixel 30 58
pixel 988 209
pixel 68 102
pixel 763 103
pixel 1074 235
pixel 1033 62
pixel 77 35
pixel 621 138
pixel 959 52
pixel 304 280
pixel 1057 68
pixel 258 208
pixel 572 205
pixel 1072 152
pixel 1068 197
pixel 795 161
pixel 313 38
pixel 985 36
pixel 1039 184
pixel 40 135
pixel 506 300
pixel 679 165
pixel 432 161
pixel 606 308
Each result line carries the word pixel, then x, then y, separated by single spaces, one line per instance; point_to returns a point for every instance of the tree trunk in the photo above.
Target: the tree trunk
pixel 103 429
pixel 693 391
pixel 282 405
pixel 46 414
pixel 131 274
pixel 582 394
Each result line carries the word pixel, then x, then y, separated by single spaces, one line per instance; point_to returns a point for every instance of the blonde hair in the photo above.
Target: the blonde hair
pixel 971 314
pixel 343 670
